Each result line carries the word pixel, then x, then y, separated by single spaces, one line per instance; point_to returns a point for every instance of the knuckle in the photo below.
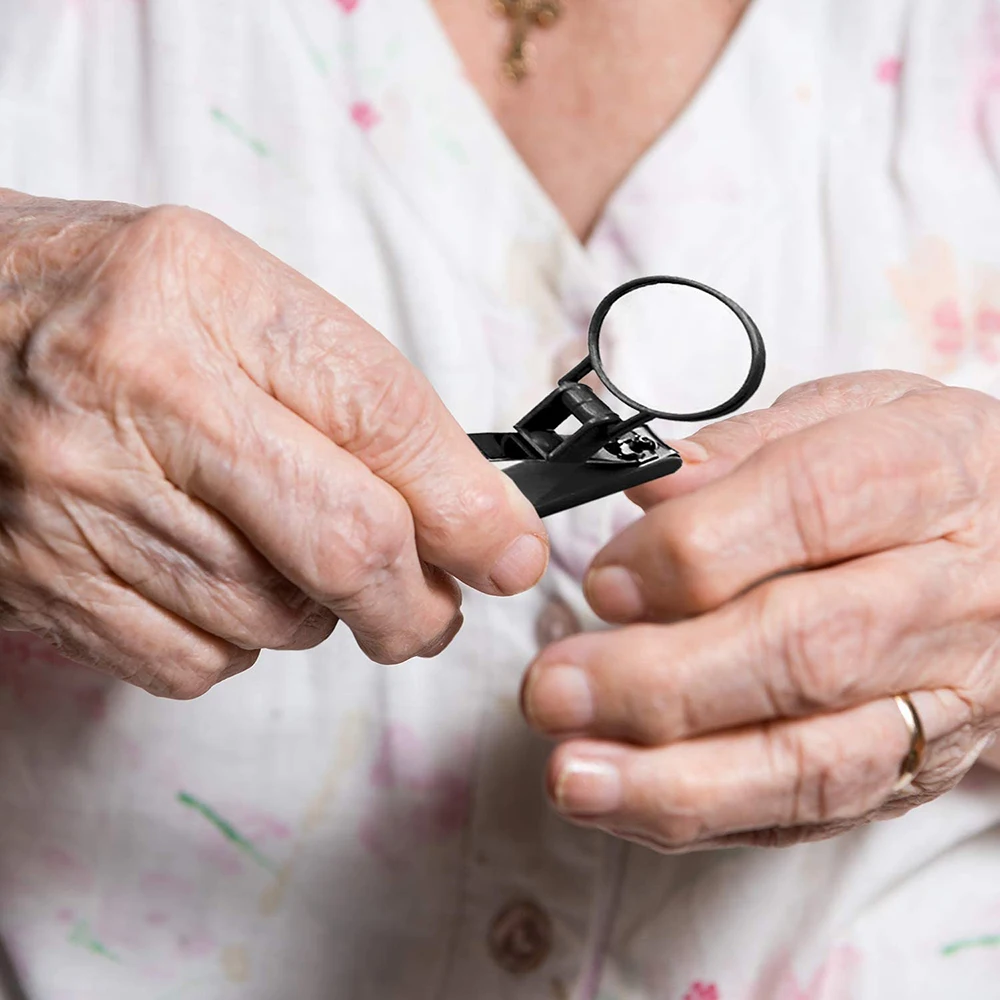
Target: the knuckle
pixel 385 535
pixel 290 629
pixel 171 223
pixel 394 647
pixel 314 628
pixel 830 790
pixel 690 547
pixel 371 538
pixel 283 633
pixel 676 832
pixel 817 387
pixel 949 397
pixel 852 390
pixel 260 609
pixel 389 418
pixel 269 629
pixel 160 261
pixel 661 705
pixel 194 673
pixel 822 643
pixel 380 406
pixel 471 502
pixel 812 497
pixel 677 814
pixel 48 457
pixel 100 344
pixel 817 771
pixel 238 661
pixel 134 370
pixel 71 326
pixel 394 652
pixel 440 627
pixel 183 685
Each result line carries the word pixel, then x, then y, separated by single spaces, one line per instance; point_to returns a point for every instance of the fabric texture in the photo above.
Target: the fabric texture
pixel 321 827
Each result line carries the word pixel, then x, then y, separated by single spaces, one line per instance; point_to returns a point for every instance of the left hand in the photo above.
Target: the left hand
pixel 809 562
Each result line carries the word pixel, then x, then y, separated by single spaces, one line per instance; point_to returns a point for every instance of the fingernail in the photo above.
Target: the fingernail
pixel 521 566
pixel 441 643
pixel 558 699
pixel 692 452
pixel 614 593
pixel 588 788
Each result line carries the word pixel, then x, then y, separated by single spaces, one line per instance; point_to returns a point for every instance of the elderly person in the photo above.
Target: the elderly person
pixel 227 428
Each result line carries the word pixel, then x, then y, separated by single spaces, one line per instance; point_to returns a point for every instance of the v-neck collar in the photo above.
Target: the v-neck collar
pixel 429 80
pixel 435 141
pixel 691 203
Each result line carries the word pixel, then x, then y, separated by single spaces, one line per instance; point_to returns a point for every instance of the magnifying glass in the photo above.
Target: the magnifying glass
pixel 604 452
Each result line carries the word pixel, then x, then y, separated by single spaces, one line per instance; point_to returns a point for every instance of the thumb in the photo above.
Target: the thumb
pixel 717 449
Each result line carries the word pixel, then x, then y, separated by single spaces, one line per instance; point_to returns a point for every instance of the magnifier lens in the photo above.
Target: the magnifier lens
pixel 672 347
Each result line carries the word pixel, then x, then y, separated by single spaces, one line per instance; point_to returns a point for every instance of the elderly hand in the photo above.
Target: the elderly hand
pixel 810 562
pixel 203 454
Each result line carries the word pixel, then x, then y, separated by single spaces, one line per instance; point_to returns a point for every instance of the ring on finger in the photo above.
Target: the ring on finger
pixel 914 759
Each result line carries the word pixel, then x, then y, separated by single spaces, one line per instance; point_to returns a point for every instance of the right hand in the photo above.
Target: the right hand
pixel 203 454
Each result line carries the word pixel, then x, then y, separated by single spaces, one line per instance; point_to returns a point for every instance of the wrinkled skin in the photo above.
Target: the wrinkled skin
pixel 202 454
pixel 809 562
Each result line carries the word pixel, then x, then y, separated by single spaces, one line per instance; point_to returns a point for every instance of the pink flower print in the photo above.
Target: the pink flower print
pixel 92 703
pixel 24 648
pixel 396 763
pixel 949 326
pixel 702 991
pixel 988 320
pixel 364 115
pixel 987 330
pixel 889 71
pixel 427 802
pixel 347 6
pixel 65 869
pixel 44 683
pixel 928 287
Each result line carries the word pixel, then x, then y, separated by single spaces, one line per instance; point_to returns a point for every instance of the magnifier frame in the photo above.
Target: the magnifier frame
pixel 605 453
pixel 593 361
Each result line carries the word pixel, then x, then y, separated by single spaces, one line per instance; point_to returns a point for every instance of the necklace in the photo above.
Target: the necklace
pixel 523 16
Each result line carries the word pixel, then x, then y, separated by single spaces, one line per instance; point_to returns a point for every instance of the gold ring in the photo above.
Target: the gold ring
pixel 914 758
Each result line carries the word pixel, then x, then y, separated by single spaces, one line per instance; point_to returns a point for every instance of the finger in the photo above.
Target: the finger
pixel 818 771
pixel 185 557
pixel 98 621
pixel 901 473
pixel 911 618
pixel 320 517
pixel 343 377
pixel 718 448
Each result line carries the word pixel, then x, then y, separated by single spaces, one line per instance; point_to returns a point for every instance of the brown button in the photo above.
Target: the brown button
pixel 521 937
pixel 556 621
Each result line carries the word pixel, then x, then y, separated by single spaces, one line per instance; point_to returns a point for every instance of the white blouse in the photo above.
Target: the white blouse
pixel 321 828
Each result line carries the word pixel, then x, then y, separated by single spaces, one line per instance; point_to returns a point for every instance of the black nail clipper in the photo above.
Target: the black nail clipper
pixel 607 453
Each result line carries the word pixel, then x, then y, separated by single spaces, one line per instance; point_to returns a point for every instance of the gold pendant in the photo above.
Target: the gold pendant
pixel 523 16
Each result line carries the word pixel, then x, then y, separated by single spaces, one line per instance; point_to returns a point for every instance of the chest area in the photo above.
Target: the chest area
pixel 583 87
